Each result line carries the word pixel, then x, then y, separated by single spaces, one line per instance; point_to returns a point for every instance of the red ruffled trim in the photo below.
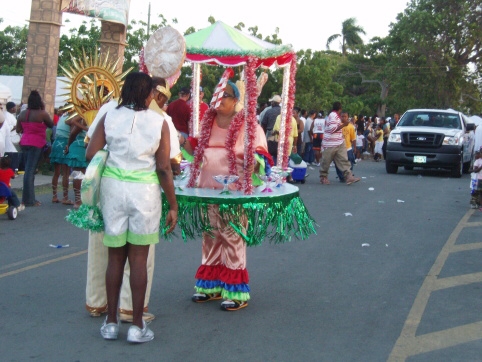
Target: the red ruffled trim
pixel 209 272
pixel 236 60
pixel 230 276
pixel 220 272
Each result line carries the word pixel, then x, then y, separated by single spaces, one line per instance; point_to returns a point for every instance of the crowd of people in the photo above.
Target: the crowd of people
pixel 363 136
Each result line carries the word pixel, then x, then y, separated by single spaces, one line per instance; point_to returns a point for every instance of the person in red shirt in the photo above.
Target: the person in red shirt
pixel 180 111
pixel 6 174
pixel 56 116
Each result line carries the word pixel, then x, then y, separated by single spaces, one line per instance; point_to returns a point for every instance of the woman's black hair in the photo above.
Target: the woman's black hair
pixel 34 100
pixel 136 89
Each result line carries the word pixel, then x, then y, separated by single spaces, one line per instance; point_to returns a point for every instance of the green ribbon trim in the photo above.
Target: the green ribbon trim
pixel 254 177
pixel 278 218
pixel 142 239
pixel 225 294
pixel 208 291
pixel 115 241
pixel 143 177
pixel 240 296
pixel 87 218
pixel 262 54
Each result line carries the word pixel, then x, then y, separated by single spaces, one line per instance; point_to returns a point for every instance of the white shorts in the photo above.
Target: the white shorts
pixel 131 211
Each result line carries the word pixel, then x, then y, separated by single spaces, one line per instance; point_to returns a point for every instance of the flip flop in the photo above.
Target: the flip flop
pixel 55 201
pixel 37 203
pixel 67 202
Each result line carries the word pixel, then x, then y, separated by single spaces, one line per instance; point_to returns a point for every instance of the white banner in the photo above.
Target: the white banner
pixel 116 11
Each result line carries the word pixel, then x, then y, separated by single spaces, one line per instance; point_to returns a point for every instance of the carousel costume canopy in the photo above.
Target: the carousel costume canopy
pixel 221 44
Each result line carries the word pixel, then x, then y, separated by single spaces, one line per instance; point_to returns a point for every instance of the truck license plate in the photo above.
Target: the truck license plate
pixel 419 159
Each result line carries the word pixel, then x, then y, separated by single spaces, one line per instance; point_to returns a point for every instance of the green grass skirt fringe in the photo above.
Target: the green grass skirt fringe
pixel 277 220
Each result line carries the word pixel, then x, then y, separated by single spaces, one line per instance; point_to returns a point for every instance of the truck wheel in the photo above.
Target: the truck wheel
pixel 457 170
pixel 390 167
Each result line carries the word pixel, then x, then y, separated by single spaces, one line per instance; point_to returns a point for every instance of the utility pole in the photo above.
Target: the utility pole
pixel 148 20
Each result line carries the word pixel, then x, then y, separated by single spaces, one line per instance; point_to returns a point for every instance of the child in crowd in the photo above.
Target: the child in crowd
pixel 476 183
pixel 6 174
pixel 360 141
pixel 378 143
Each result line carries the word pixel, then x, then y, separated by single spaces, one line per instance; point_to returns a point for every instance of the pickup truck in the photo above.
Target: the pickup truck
pixel 431 138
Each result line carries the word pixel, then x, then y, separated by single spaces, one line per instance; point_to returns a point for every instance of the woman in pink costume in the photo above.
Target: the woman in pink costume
pixel 223 273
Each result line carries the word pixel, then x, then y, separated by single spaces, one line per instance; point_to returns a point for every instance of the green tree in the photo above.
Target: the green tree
pixel 240 26
pixel 254 32
pixel 13 49
pixel 366 78
pixel 350 36
pixel 439 42
pixel 84 38
pixel 315 85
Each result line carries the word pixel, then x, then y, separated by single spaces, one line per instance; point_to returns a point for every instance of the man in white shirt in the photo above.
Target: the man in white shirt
pixel 8 123
pixel 318 129
pixel 12 123
pixel 308 155
pixel 334 148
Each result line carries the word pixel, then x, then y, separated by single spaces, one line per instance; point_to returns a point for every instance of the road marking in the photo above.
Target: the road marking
pixel 30 260
pixel 409 344
pixel 13 272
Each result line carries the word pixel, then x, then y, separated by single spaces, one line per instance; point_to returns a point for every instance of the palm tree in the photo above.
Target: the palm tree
pixel 350 33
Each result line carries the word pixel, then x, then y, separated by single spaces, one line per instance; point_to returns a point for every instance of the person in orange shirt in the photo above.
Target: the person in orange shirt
pixel 349 133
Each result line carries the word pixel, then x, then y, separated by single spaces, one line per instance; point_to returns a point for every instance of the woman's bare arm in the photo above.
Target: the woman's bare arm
pixel 164 173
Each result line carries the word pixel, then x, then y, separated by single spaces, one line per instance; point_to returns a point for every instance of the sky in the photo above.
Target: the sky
pixel 299 23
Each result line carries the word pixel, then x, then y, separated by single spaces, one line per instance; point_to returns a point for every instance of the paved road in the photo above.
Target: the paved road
pixel 394 274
